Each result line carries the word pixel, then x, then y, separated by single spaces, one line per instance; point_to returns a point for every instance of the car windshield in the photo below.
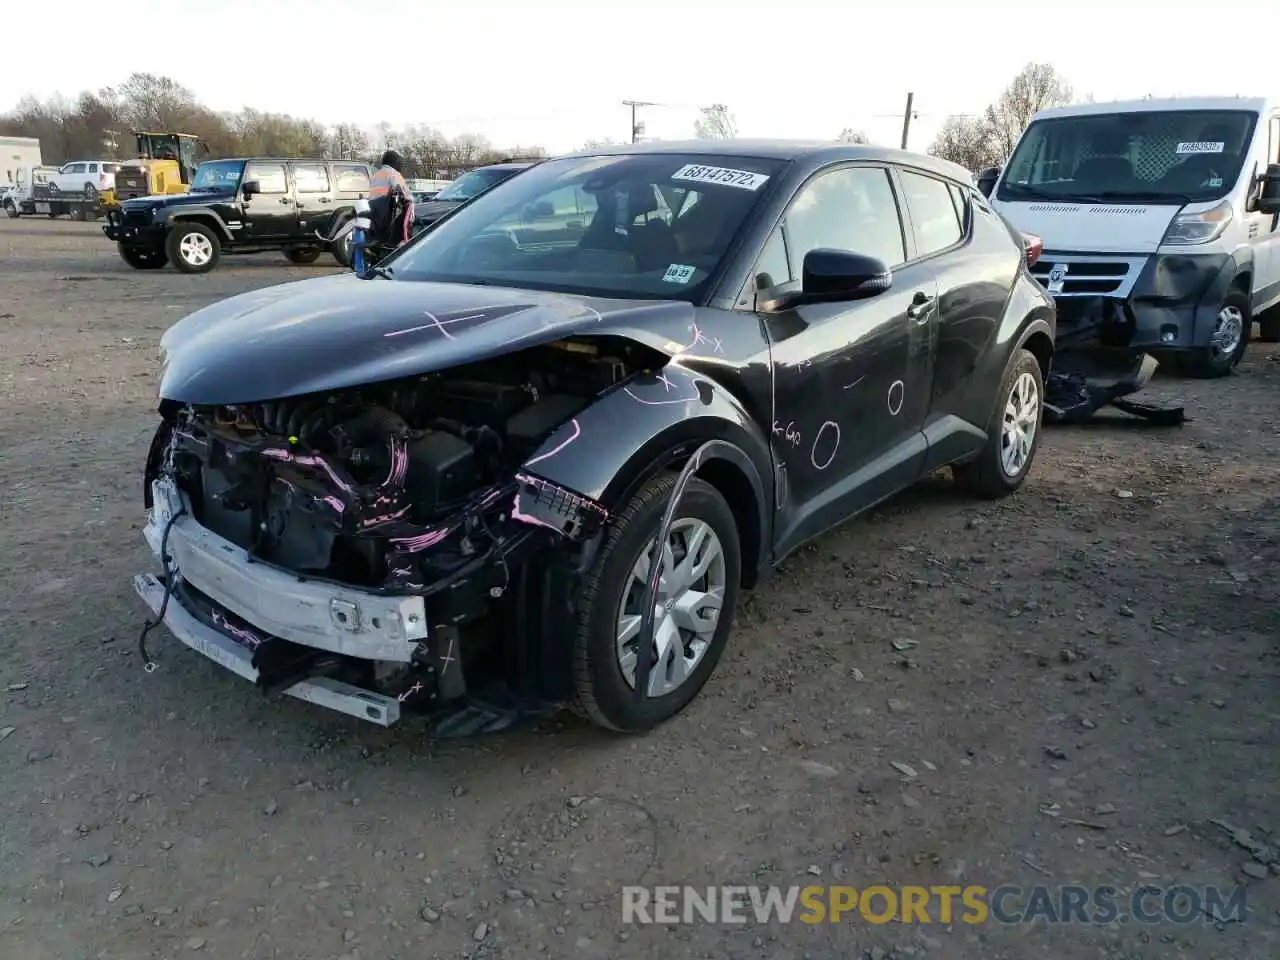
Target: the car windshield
pixel 218 175
pixel 646 226
pixel 473 184
pixel 1174 156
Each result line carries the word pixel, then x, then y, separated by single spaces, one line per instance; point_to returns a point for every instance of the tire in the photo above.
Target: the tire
pixel 141 258
pixel 302 255
pixel 1209 363
pixel 1269 325
pixel 192 247
pixel 342 251
pixel 11 210
pixel 79 212
pixel 990 476
pixel 602 692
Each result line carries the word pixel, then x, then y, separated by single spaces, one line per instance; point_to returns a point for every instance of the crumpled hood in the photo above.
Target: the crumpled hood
pixel 334 332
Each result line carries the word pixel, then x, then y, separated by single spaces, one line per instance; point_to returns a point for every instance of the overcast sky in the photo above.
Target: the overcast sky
pixel 554 72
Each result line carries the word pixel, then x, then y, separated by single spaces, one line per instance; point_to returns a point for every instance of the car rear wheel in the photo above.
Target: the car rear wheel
pixel 702 569
pixel 1013 432
pixel 141 258
pixel 302 255
pixel 1227 341
pixel 193 247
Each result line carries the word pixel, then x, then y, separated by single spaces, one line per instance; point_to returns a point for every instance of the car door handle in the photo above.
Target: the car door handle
pixel 919 309
pixel 286 201
pixel 325 200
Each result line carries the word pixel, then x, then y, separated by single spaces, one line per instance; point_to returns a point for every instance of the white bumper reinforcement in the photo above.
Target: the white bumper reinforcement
pixel 323 691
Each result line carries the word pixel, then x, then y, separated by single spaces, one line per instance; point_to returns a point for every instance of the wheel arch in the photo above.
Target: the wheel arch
pixel 627 436
pixel 205 218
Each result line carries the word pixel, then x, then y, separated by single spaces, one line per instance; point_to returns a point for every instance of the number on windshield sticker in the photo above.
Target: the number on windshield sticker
pixel 743 179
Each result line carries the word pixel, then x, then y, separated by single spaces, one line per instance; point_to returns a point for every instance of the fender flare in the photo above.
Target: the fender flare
pixel 1240 262
pixel 655 422
pixel 200 213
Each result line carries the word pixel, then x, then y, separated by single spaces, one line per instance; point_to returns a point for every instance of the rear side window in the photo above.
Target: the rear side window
pixel 311 177
pixel 352 179
pixel 933 211
pixel 110 167
pixel 270 177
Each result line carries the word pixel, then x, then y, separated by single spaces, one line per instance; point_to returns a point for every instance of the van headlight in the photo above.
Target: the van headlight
pixel 1203 226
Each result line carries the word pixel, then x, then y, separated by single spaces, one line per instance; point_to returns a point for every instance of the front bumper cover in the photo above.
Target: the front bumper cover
pixel 323 616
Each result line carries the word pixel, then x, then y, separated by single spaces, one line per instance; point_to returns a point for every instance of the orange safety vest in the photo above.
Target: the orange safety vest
pixel 384 179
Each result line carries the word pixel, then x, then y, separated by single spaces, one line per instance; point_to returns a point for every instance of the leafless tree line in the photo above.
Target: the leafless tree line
pixel 986 140
pixel 99 124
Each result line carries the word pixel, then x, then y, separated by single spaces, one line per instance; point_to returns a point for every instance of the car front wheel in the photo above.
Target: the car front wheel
pixel 1013 432
pixel 702 566
pixel 193 247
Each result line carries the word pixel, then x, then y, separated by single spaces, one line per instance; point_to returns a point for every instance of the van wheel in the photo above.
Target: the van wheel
pixel 1228 341
pixel 302 255
pixel 1013 433
pixel 702 569
pixel 1269 325
pixel 193 247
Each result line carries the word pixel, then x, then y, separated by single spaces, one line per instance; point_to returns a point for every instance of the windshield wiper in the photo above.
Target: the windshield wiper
pixel 386 273
pixel 1139 196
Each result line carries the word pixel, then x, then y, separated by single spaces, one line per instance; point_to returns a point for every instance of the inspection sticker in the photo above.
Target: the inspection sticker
pixel 743 179
pixel 1202 146
pixel 679 273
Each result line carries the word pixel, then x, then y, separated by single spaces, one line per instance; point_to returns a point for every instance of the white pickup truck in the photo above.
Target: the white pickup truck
pixel 86 178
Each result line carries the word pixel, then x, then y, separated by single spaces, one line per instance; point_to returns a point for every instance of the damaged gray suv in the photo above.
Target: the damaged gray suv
pixel 529 460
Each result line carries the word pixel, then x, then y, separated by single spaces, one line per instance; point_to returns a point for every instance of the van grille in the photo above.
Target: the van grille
pixel 1085 276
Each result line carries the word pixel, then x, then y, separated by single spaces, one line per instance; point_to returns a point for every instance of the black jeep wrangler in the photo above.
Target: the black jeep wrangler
pixel 247 205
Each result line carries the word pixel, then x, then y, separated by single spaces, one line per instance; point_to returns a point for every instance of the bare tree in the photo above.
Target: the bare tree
pixel 716 123
pixel 850 135
pixel 968 141
pixel 1036 87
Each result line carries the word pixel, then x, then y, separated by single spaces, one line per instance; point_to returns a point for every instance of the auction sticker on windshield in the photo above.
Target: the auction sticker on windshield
pixel 743 179
pixel 1202 146
pixel 679 273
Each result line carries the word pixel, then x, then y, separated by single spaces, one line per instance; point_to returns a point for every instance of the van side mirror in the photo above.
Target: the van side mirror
pixel 1269 190
pixel 250 187
pixel 987 180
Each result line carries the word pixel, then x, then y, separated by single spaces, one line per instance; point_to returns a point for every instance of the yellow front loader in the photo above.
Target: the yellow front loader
pixel 165 164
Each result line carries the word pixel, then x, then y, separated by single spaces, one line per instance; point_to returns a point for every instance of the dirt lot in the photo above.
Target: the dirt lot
pixel 1080 678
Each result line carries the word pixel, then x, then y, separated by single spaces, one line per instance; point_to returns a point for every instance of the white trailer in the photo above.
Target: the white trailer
pixel 16 152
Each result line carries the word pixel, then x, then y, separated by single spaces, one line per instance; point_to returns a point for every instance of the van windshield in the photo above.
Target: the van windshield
pixel 1170 156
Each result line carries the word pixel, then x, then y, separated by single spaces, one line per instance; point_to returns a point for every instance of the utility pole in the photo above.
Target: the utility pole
pixel 906 119
pixel 635 128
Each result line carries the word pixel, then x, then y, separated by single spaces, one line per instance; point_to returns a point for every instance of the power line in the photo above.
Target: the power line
pixel 635 127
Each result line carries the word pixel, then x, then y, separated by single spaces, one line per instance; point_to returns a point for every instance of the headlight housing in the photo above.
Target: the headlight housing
pixel 1203 226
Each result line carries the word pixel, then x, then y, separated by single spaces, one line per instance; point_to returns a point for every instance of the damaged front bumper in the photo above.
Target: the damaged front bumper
pixel 274 628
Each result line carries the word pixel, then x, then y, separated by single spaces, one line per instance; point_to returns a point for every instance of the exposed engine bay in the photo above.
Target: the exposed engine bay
pixel 401 485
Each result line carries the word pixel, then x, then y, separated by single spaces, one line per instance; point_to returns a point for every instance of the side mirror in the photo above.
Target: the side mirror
pixel 1269 190
pixel 832 275
pixel 987 180
pixel 250 187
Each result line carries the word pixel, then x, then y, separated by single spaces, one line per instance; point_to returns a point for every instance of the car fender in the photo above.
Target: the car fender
pixel 655 422
pixel 205 215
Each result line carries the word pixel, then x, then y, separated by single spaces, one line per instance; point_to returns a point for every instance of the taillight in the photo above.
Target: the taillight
pixel 1035 247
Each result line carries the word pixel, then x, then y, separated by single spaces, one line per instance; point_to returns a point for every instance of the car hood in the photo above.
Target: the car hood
pixel 179 199
pixel 334 332
pixel 433 209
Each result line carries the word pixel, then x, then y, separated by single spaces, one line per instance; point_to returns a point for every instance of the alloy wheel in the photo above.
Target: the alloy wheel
pixel 690 594
pixel 1021 421
pixel 196 249
pixel 1227 332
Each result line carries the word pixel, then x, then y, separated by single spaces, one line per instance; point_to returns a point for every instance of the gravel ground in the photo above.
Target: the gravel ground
pixel 1067 687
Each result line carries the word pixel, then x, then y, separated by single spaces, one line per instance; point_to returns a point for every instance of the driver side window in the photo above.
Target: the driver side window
pixel 851 209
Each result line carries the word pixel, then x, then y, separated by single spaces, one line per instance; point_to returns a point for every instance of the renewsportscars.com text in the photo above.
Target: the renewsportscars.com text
pixel 948 904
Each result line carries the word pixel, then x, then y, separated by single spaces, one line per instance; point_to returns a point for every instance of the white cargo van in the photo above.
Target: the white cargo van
pixel 1159 223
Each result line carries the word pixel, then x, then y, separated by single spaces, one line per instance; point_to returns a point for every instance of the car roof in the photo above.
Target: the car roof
pixel 816 152
pixel 359 163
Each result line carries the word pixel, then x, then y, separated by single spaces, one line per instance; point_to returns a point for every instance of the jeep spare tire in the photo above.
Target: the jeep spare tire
pixel 193 247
